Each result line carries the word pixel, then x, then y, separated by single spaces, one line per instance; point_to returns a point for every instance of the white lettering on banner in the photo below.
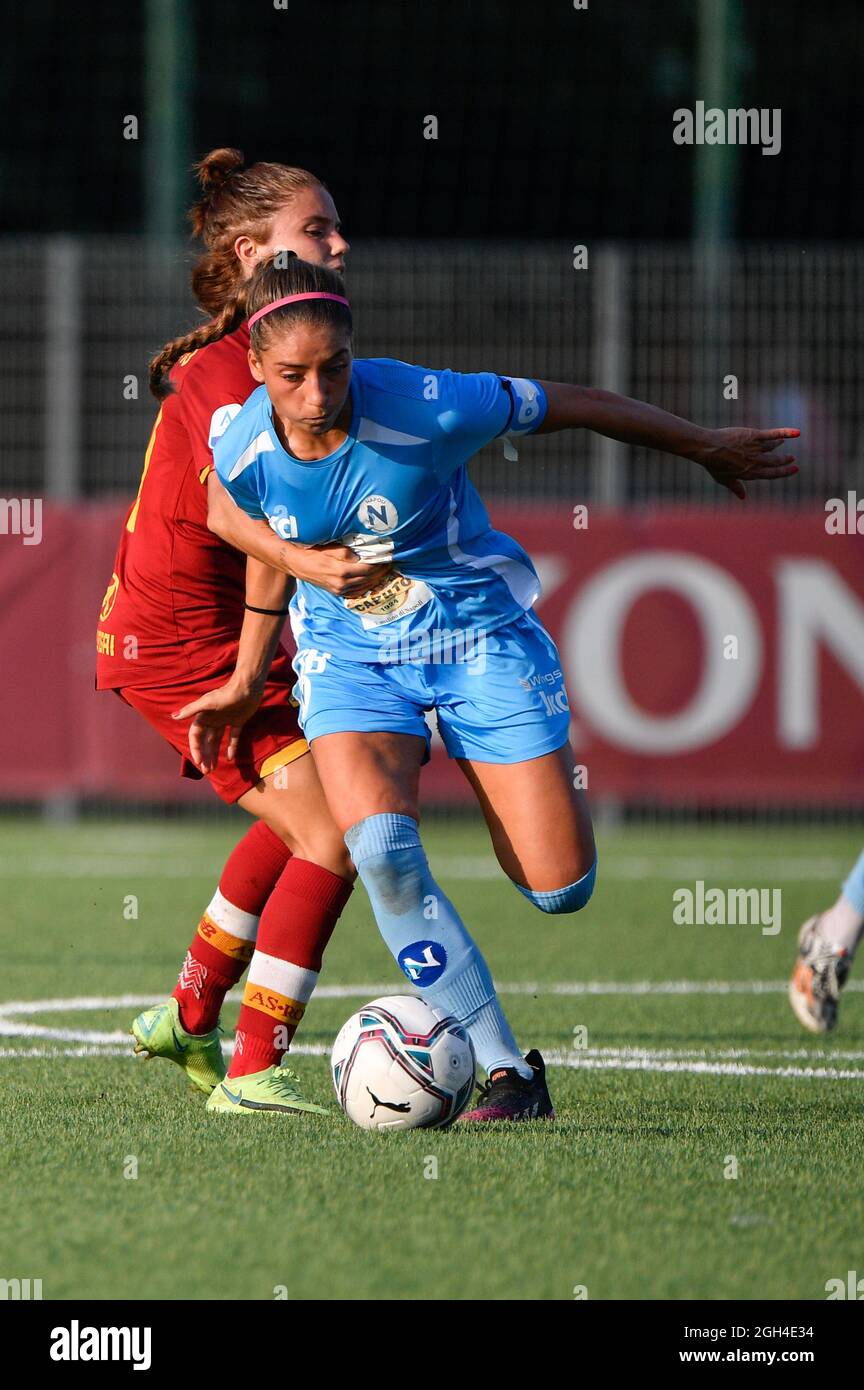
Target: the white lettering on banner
pixel 815 608
pixel 593 636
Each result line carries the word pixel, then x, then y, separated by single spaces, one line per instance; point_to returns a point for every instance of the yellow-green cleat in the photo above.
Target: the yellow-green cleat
pixel 275 1089
pixel 159 1033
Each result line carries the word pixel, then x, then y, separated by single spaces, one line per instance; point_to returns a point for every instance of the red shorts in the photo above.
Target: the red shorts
pixel 271 739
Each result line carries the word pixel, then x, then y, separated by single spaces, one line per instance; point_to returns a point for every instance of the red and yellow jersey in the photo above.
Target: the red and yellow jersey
pixel 174 605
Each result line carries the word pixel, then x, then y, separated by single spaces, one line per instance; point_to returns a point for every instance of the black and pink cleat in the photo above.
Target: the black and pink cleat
pixel 509 1096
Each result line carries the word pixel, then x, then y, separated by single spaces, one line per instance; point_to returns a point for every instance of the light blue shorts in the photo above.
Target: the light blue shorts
pixel 500 699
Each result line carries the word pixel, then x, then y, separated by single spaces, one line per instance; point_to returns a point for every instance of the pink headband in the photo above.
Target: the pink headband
pixel 292 299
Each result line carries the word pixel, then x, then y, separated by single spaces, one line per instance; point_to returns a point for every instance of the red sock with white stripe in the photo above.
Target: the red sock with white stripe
pixel 225 940
pixel 295 927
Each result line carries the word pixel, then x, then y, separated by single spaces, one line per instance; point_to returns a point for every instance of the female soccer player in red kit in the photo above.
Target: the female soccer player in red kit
pixel 184 613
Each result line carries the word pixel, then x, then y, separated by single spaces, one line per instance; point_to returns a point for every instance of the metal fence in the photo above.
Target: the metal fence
pixel 763 335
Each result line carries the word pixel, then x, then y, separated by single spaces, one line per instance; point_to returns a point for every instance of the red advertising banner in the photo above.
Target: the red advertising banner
pixel 710 657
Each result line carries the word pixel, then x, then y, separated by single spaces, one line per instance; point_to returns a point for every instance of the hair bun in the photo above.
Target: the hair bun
pixel 216 168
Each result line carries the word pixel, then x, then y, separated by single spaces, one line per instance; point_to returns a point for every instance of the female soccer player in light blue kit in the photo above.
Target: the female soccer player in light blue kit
pixel 375 453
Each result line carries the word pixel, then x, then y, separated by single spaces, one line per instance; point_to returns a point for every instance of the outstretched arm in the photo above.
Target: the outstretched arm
pixel 732 456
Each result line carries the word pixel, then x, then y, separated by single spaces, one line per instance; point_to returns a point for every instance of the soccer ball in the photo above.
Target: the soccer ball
pixel 398 1064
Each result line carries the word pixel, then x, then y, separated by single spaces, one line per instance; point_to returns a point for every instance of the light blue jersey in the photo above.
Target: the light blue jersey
pixel 397 489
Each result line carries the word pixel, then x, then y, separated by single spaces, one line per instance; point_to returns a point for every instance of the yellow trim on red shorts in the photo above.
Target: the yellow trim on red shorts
pixel 283 757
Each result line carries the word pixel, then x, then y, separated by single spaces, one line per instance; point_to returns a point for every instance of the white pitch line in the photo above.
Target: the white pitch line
pixel 659 987
pixel 717 1053
pixel 97 867
pixel 153 863
pixel 90 1003
pixel 701 1068
pixel 11 1009
pixel 693 1061
pixel 7 1053
pixel 737 869
pixel 554 1059
pixel 10 1029
pixel 105 1045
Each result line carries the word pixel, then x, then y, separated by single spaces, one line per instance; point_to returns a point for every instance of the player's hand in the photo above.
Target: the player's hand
pixel 229 707
pixel 336 568
pixel 740 455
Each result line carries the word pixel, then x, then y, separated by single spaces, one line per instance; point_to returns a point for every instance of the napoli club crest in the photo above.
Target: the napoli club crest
pixel 378 514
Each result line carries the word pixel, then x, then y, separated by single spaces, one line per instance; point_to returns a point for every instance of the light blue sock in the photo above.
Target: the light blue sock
pixel 853 888
pixel 569 899
pixel 425 934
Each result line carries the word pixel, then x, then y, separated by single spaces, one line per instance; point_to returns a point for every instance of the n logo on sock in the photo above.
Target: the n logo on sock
pixel 423 962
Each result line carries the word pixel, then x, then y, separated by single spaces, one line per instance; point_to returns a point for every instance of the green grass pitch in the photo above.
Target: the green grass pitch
pixel 666 1081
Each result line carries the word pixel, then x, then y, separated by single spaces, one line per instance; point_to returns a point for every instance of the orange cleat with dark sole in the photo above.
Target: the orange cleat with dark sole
pixel 820 973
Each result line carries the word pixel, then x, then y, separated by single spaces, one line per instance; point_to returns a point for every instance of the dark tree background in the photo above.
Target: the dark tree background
pixel 552 122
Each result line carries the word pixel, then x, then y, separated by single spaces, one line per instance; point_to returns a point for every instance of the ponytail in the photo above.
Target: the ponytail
pixel 226 321
pixel 234 201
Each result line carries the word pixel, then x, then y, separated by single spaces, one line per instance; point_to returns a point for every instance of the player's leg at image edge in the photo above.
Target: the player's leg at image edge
pixel 826 949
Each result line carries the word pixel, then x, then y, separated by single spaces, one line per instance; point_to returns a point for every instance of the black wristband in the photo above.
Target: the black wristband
pixel 268 612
